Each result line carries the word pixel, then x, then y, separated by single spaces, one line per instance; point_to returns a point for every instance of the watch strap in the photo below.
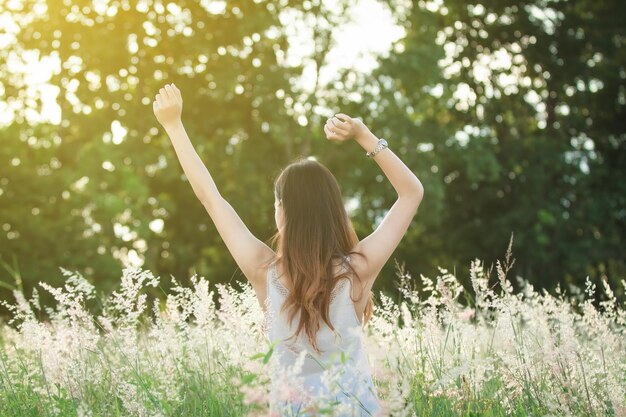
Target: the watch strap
pixel 382 144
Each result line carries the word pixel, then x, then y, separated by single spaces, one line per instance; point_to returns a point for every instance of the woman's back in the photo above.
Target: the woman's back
pixel 339 373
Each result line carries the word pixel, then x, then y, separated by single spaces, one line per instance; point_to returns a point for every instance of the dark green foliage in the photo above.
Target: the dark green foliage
pixel 553 176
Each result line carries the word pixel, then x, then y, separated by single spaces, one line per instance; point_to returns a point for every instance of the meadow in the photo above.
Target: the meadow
pixel 506 353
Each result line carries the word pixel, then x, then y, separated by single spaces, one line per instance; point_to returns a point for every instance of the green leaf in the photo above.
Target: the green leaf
pixel 266 359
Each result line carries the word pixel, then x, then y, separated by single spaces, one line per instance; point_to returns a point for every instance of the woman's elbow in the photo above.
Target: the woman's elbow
pixel 418 192
pixel 413 195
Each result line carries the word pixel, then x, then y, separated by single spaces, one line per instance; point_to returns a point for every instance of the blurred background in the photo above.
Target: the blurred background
pixel 511 113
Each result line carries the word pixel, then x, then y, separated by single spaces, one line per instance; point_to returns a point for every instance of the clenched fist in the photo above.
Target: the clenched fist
pixel 168 105
pixel 348 128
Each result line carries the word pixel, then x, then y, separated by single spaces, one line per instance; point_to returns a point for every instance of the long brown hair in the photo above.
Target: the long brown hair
pixel 316 230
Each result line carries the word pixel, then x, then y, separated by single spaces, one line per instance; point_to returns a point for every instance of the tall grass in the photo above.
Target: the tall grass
pixel 509 354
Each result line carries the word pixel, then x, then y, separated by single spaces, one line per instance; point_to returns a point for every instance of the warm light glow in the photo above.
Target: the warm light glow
pixel 356 46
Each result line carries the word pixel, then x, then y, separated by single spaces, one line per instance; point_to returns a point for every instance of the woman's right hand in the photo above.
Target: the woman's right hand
pixel 168 105
pixel 342 127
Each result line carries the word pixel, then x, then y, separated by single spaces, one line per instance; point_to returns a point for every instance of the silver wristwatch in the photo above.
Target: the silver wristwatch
pixel 382 144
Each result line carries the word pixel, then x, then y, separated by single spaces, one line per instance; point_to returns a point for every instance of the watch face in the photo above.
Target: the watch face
pixel 383 142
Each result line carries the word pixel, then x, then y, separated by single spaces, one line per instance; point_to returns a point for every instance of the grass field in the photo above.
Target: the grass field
pixel 510 354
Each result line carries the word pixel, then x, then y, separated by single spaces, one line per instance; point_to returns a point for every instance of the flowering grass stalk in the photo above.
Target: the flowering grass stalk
pixel 506 354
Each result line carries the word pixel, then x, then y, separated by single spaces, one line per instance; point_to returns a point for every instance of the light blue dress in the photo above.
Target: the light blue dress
pixel 339 378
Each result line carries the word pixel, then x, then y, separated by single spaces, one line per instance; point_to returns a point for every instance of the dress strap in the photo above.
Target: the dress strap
pixel 274 281
pixel 346 261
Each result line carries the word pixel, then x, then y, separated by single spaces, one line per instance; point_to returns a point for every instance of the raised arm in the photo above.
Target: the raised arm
pixel 248 251
pixel 380 244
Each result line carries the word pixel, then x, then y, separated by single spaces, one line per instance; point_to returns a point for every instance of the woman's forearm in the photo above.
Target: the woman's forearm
pixel 196 172
pixel 403 180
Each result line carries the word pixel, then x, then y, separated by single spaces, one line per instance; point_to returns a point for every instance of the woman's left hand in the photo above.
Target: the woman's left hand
pixel 168 105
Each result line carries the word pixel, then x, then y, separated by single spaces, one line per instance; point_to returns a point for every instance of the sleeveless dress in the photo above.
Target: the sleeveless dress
pixel 304 382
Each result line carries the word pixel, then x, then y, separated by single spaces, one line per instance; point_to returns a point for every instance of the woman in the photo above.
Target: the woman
pixel 316 288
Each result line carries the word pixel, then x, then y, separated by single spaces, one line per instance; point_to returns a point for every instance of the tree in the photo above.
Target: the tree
pixel 112 58
pixel 531 110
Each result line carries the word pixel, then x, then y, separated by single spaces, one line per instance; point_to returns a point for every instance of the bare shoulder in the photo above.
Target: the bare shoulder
pixel 265 258
pixel 361 266
pixel 258 278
